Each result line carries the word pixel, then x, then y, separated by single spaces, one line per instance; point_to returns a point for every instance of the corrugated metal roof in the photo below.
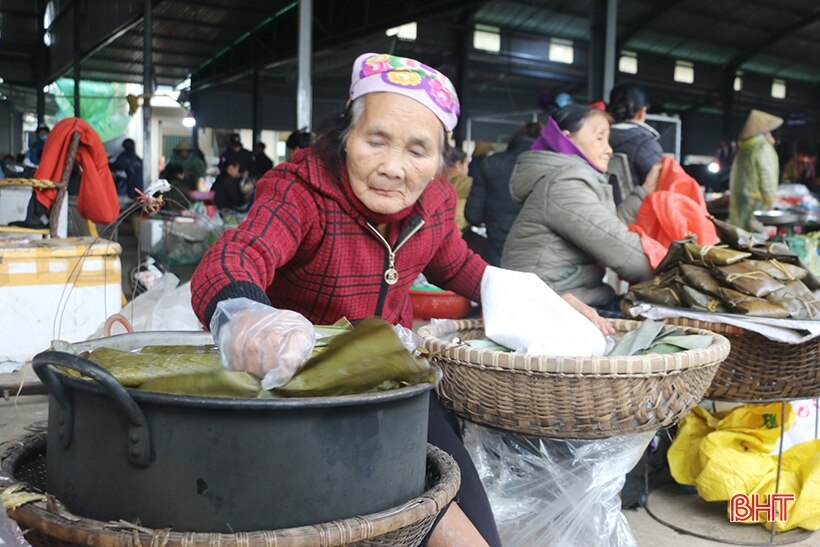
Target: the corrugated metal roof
pixel 188 33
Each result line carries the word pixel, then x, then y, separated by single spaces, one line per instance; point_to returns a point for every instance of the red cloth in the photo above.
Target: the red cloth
pixel 307 248
pixel 98 200
pixel 674 211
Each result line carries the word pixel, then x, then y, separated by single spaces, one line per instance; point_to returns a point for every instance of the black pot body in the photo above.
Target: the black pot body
pixel 229 465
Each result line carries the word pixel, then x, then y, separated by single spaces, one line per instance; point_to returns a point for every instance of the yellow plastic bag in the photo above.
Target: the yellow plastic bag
pixel 729 453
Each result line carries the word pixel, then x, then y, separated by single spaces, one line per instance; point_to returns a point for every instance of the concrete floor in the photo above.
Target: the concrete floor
pixel 19 416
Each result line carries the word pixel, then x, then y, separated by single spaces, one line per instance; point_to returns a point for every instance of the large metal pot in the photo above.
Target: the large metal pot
pixel 224 465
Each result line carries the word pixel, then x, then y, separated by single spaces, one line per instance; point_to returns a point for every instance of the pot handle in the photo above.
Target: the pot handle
pixel 139 435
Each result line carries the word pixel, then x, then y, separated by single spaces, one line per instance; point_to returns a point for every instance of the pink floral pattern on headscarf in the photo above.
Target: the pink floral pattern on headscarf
pixel 390 74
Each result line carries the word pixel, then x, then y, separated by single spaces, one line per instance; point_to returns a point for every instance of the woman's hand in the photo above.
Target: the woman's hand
pixel 271 344
pixel 590 313
pixel 650 183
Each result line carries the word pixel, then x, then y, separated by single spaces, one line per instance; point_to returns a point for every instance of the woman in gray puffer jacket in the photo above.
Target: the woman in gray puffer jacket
pixel 569 230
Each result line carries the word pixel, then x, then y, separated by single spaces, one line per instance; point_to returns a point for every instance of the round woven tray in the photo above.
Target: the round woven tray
pixel 759 369
pixel 571 397
pixel 48 524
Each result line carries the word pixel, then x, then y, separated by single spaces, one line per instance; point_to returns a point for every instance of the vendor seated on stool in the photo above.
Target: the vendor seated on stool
pixel 321 229
pixel 227 188
pixel 569 229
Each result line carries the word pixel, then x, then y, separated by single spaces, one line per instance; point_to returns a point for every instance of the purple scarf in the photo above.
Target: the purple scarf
pixel 552 139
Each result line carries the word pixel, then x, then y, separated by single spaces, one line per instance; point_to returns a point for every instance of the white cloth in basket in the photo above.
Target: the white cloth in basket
pixel 522 313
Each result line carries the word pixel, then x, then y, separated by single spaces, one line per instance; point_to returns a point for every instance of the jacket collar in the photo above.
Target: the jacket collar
pixel 635 124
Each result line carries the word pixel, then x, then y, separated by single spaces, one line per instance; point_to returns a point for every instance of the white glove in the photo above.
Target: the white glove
pixel 268 343
pixel 521 312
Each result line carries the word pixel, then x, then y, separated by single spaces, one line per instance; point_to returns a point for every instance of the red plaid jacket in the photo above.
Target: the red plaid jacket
pixel 304 247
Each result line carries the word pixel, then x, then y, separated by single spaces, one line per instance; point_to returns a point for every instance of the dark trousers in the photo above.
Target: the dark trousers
pixel 443 432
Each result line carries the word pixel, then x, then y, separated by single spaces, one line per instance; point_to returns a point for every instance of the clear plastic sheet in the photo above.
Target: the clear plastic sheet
pixel 10 533
pixel 547 492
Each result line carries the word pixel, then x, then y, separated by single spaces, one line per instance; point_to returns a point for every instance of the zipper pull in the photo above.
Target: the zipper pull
pixel 391 276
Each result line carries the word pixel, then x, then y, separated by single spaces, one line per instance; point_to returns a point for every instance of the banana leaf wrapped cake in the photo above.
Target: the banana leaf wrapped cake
pixel 745 275
pixel 346 360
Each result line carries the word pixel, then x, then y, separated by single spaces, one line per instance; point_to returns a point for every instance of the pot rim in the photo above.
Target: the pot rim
pixel 236 403
pixel 135 340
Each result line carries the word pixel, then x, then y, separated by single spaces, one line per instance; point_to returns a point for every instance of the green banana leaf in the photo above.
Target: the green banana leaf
pixel 369 357
pixel 218 383
pixel 132 369
pixel 685 341
pixel 639 339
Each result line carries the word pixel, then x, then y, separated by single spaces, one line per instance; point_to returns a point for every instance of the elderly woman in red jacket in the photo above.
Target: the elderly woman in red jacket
pixel 344 229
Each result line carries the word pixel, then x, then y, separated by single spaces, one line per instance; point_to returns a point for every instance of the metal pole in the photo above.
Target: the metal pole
pixel 304 93
pixel 602 54
pixel 610 51
pixel 147 90
pixel 39 70
pixel 463 44
pixel 256 129
pixel 77 58
pixel 728 92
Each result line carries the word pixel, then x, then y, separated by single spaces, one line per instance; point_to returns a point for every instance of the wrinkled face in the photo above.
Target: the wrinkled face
pixel 393 152
pixel 593 140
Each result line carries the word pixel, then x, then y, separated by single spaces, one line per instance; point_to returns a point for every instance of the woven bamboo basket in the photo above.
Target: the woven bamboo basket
pixel 48 524
pixel 759 369
pixel 571 397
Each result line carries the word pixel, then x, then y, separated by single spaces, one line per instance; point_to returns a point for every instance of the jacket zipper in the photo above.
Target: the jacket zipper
pixel 391 276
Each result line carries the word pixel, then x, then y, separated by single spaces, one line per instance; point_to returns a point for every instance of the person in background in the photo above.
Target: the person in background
pixel 630 134
pixel 489 202
pixel 456 164
pixel 481 152
pixel 296 141
pixel 755 171
pixel 10 166
pixel 261 162
pixel 236 152
pixel 569 229
pixel 177 198
pixel 227 188
pixel 191 163
pixel 36 148
pixel 131 165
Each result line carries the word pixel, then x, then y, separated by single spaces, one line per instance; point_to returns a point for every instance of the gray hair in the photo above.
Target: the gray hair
pixel 356 110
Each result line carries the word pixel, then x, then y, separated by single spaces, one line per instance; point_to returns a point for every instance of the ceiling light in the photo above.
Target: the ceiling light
pixel 189 120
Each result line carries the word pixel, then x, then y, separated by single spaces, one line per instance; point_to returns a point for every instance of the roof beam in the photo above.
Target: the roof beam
pixel 18 13
pixel 192 23
pixel 221 6
pixel 120 61
pixel 738 60
pixel 191 40
pixel 641 22
pixel 158 51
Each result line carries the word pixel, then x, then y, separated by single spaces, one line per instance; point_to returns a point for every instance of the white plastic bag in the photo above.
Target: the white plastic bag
pixel 521 312
pixel 269 343
pixel 10 533
pixel 164 306
pixel 547 492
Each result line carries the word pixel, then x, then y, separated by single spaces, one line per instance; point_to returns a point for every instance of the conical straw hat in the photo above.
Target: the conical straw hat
pixel 758 123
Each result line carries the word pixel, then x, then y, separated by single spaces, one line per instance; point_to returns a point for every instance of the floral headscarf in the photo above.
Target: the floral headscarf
pixel 374 72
